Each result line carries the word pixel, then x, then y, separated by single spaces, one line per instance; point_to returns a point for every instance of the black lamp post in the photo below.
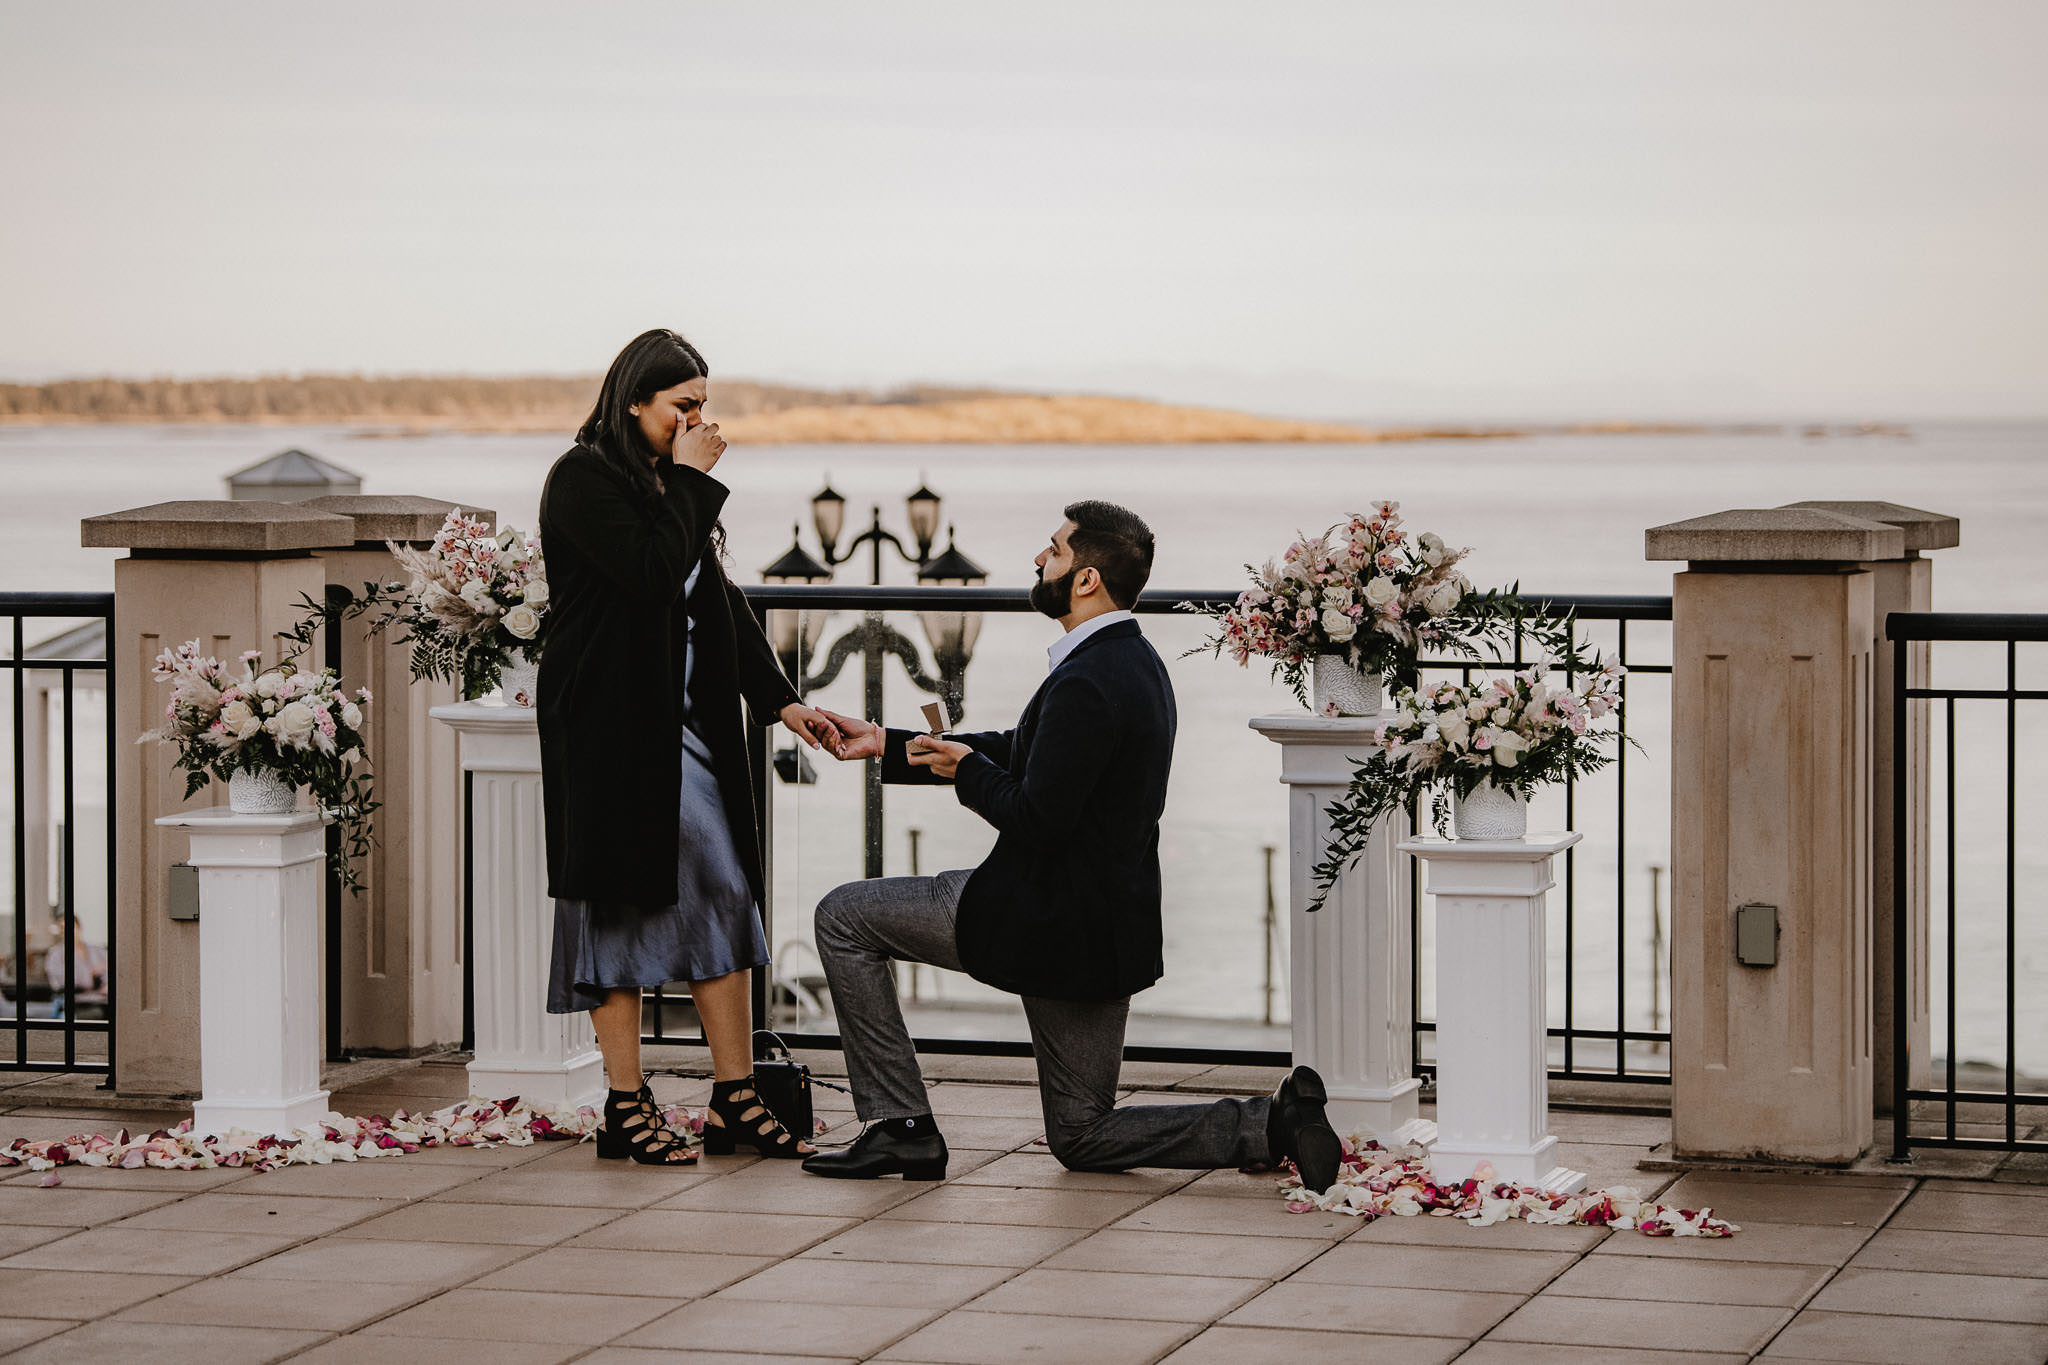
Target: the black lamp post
pixel 951 634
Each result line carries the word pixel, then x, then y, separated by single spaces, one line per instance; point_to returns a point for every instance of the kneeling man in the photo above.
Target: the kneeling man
pixel 1064 912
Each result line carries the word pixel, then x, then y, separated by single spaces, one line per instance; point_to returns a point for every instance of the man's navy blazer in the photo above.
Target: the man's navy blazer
pixel 1067 903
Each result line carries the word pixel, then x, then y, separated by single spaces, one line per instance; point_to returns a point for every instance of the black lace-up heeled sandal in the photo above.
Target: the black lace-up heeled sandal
pixel 634 1128
pixel 744 1119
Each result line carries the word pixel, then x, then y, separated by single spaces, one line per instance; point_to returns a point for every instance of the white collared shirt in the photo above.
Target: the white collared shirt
pixel 1066 644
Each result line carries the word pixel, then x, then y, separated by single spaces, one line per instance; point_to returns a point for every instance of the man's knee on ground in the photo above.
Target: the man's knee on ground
pixel 1074 1149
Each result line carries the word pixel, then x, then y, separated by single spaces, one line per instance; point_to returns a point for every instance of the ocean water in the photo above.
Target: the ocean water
pixel 1559 513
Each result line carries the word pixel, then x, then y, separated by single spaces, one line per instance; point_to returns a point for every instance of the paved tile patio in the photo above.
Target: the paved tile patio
pixel 545 1254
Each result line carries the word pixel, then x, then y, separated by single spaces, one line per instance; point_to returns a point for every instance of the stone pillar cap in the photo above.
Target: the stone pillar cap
pixel 401 516
pixel 1761 535
pixel 1924 530
pixel 195 528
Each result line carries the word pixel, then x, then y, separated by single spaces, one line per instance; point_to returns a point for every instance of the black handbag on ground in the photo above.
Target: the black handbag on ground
pixel 784 1085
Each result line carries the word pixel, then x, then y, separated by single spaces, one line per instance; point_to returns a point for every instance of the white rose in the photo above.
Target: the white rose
pixel 1380 591
pixel 1507 748
pixel 1444 599
pixel 267 685
pixel 523 621
pixel 1477 710
pixel 1339 627
pixel 537 593
pixel 351 715
pixel 294 724
pixel 1336 597
pixel 476 594
pixel 239 719
pixel 1455 731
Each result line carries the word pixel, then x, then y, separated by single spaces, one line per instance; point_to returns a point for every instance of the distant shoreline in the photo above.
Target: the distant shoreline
pixel 762 414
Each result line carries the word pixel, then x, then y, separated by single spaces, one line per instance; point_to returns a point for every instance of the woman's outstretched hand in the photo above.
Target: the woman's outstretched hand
pixel 812 727
pixel 858 738
pixel 699 447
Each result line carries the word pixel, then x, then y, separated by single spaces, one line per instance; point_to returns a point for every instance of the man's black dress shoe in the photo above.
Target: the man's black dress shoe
pixel 1297 1128
pixel 879 1152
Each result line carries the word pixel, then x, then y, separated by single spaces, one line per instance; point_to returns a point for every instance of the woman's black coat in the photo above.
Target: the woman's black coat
pixel 611 679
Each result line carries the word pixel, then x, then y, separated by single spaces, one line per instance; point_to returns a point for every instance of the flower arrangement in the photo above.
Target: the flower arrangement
pixel 295 724
pixel 1365 591
pixel 475 599
pixel 1514 733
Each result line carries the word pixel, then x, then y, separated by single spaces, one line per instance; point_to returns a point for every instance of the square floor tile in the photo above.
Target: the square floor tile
pixel 34 1206
pixel 153 1251
pixel 654 1355
pixel 1188 1253
pixel 1885 1339
pixel 313 1305
pixel 622 1186
pixel 1538 1353
pixel 363 1348
pixel 1033 1170
pixel 16 1333
pixel 140 1178
pixel 1391 1266
pixel 1776 1243
pixel 778 1327
pixel 345 1259
pixel 984 1101
pixel 492 1224
pixel 1119 1294
pixel 78 1294
pixel 13 1240
pixel 1937 1211
pixel 1768 1199
pixel 969 1338
pixel 1226 1345
pixel 490 1315
pixel 1237 1217
pixel 391 1177
pixel 792 1192
pixel 1377 1309
pixel 751 1234
pixel 1673 1281
pixel 1025 1208
pixel 1513 1235
pixel 878 1284
pixel 1961 1253
pixel 265 1216
pixel 946 1243
pixel 1926 1294
pixel 598 1270
pixel 1606 1322
pixel 140 1343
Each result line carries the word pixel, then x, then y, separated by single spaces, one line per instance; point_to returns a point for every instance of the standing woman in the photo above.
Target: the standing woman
pixel 654 860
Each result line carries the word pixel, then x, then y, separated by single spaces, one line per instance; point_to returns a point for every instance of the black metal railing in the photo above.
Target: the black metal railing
pixel 24 985
pixel 1617 609
pixel 1956 1101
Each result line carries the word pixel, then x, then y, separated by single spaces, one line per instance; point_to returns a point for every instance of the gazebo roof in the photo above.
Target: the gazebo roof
pixel 294 467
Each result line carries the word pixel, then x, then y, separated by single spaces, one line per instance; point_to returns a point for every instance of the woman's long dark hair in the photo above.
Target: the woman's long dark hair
pixel 651 362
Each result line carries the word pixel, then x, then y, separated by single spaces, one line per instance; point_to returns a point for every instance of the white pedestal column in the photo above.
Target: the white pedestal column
pixel 549 1059
pixel 1492 1086
pixel 1351 963
pixel 260 878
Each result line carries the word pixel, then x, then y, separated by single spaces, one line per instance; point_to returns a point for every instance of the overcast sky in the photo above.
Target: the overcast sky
pixel 1478 210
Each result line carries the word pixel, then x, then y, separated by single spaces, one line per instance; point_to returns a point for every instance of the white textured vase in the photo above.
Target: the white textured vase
pixel 1353 692
pixel 261 791
pixel 519 679
pixel 1490 813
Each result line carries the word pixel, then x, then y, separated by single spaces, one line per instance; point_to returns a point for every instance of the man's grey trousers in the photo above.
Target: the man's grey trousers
pixel 1079 1044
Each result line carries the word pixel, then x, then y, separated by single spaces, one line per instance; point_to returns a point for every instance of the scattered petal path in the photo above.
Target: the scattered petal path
pixel 1374 1182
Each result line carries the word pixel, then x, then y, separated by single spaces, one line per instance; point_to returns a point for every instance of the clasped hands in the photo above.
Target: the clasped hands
pixel 849 739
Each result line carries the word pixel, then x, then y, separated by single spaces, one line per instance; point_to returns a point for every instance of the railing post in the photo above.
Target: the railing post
pixel 1771 701
pixel 1904 1059
pixel 401 944
pixel 231 575
pixel 1899 839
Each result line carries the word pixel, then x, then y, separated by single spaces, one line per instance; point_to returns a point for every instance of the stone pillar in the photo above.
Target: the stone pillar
pixel 262 880
pixel 1351 963
pixel 1771 695
pixel 1904 584
pixel 521 1049
pixel 1492 1068
pixel 401 944
pixel 229 574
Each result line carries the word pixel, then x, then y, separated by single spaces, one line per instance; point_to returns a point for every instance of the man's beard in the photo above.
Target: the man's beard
pixel 1053 597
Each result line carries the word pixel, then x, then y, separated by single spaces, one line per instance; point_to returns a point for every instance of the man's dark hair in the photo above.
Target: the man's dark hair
pixel 1116 543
